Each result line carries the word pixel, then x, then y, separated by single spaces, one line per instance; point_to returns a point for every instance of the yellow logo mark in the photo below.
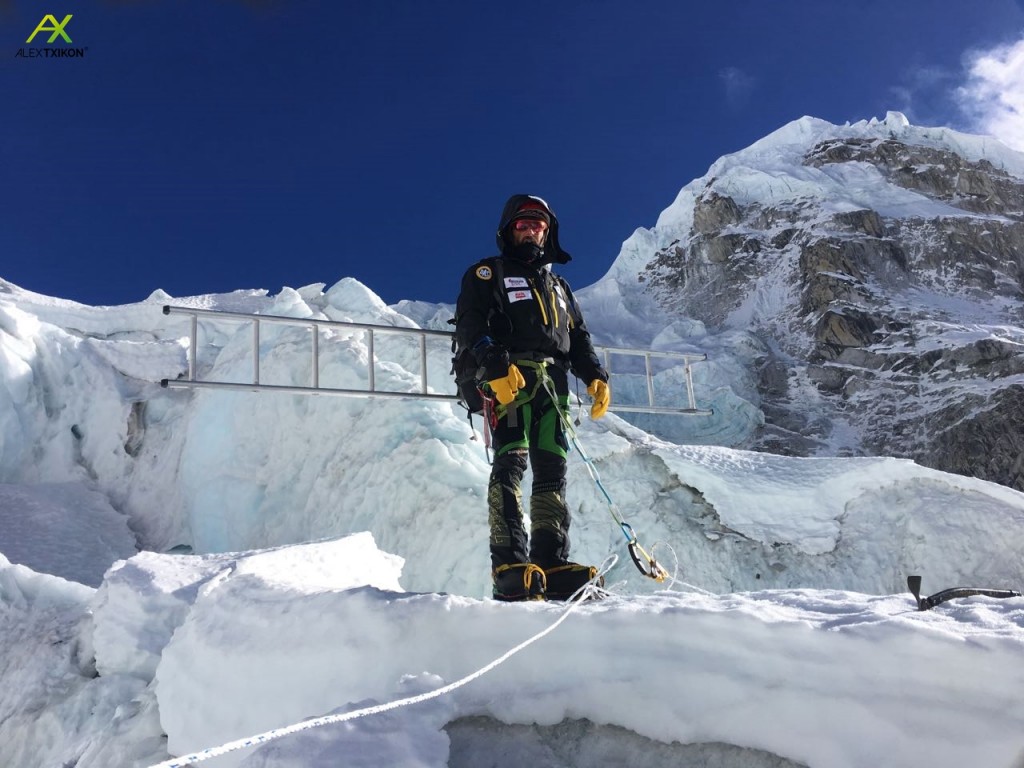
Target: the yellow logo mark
pixel 57 29
pixel 484 273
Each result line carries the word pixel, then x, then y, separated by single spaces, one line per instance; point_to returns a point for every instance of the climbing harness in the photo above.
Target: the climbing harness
pixel 493 410
pixel 644 562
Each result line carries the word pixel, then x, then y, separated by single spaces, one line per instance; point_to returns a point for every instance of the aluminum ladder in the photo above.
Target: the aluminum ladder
pixel 316 327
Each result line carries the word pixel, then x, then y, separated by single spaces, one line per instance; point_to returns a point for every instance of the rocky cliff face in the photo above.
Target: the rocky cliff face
pixel 891 314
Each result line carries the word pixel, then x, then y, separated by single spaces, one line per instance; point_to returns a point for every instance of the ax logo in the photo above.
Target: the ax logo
pixel 49 24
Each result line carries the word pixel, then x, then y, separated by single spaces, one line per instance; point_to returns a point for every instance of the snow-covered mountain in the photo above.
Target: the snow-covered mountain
pixel 880 267
pixel 303 555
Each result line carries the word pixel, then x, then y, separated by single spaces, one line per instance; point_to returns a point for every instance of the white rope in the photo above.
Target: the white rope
pixel 673 578
pixel 277 733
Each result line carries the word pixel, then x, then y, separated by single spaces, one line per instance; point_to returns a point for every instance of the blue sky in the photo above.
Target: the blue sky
pixel 205 146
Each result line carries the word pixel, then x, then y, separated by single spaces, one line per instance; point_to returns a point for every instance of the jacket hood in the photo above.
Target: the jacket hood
pixel 553 253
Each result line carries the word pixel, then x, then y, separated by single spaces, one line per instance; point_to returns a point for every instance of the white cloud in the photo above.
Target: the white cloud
pixel 738 85
pixel 993 95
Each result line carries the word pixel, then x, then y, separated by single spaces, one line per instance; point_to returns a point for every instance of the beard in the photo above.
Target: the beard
pixel 526 252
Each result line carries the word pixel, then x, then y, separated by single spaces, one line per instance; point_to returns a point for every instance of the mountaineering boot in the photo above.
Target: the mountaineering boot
pixel 563 580
pixel 518 581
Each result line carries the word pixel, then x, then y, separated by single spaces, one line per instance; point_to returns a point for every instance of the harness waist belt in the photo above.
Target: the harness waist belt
pixel 536 357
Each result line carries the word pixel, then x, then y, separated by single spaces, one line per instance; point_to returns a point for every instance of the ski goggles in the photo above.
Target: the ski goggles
pixel 531 225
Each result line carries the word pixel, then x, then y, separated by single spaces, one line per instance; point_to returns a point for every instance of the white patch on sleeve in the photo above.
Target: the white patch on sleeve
pixel 516 282
pixel 561 298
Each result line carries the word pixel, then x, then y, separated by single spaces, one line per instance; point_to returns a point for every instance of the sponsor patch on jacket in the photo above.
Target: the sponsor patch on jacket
pixel 516 282
pixel 514 296
pixel 484 272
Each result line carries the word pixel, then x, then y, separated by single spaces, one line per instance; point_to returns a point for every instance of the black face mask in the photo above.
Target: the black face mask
pixel 526 252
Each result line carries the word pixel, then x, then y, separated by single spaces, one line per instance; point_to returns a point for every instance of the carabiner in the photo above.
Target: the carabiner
pixel 648 566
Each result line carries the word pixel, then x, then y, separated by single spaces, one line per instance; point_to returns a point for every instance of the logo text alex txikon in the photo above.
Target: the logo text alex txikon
pixel 58 29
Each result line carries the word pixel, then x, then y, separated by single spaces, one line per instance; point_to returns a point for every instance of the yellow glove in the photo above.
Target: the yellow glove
pixel 505 388
pixel 602 394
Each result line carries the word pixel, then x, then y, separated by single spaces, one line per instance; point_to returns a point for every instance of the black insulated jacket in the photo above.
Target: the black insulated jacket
pixel 524 309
